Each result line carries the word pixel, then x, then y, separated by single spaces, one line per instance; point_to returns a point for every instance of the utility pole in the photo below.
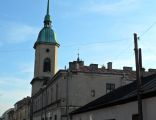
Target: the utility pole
pixel 140 58
pixel 140 62
pixel 138 76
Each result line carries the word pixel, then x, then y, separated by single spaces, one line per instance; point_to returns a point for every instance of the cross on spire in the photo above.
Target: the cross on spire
pixel 78 58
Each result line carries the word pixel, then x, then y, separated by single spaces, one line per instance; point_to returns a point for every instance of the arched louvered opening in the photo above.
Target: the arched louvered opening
pixel 47 65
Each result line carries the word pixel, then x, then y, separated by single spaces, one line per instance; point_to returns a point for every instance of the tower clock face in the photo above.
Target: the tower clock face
pixel 47 50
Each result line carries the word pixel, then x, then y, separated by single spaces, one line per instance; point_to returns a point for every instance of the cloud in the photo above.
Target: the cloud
pixel 4 107
pixel 13 84
pixel 104 7
pixel 9 98
pixel 12 90
pixel 16 32
pixel 27 68
pixel 113 7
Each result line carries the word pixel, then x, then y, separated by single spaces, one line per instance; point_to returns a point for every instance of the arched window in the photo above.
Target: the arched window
pixel 47 65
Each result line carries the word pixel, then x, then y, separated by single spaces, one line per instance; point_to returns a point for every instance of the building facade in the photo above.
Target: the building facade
pixel 73 88
pixel 11 114
pixel 8 115
pixel 22 109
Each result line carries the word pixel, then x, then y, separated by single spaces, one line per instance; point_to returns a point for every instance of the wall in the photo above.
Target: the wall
pixel 120 112
pixel 71 90
pixel 36 86
pixel 52 99
pixel 81 85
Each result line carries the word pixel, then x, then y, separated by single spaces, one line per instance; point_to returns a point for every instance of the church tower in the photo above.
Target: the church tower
pixel 46 58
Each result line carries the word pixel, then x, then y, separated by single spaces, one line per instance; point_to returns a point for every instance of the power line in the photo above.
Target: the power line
pixel 149 49
pixel 86 44
pixel 12 51
pixel 149 28
pixel 123 51
pixel 92 43
pixel 70 45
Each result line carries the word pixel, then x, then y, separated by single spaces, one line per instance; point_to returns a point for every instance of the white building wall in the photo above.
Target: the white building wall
pixel 120 112
pixel 74 90
pixel 81 85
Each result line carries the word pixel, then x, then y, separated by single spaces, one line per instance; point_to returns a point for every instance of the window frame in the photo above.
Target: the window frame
pixel 47 65
pixel 110 87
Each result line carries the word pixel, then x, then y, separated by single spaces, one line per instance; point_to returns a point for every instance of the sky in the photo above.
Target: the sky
pixel 100 30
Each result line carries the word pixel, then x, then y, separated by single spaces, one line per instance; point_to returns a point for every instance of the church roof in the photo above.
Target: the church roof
pixel 122 95
pixel 47 35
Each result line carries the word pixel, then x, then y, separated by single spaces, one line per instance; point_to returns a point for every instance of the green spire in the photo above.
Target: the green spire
pixel 47 20
pixel 48 7
pixel 47 35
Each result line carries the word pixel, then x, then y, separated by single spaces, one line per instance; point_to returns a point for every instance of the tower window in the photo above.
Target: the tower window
pixel 135 117
pixel 47 50
pixel 47 65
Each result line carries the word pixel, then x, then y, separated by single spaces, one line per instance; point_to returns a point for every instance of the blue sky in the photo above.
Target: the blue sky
pixel 102 30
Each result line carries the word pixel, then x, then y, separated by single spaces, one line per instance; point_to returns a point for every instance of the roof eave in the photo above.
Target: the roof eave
pixel 46 43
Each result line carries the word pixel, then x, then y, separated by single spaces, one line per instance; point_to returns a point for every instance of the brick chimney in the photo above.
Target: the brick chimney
pixel 109 65
pixel 94 66
pixel 128 68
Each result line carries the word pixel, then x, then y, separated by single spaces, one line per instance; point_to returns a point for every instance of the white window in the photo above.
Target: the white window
pixel 91 117
pixel 93 93
pixel 110 87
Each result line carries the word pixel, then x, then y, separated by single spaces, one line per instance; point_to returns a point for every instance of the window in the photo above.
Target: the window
pixel 47 50
pixel 110 87
pixel 55 118
pixel 93 93
pixel 48 97
pixel 51 95
pixel 90 117
pixel 135 117
pixel 56 91
pixel 47 65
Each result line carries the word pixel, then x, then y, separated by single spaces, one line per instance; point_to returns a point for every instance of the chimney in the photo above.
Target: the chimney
pixel 71 65
pixel 109 65
pixel 75 65
pixel 127 68
pixel 151 70
pixel 94 66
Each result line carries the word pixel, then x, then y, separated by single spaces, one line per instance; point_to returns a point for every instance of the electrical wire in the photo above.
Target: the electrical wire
pixel 86 44
pixel 16 51
pixel 148 29
pixel 70 45
pixel 123 51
